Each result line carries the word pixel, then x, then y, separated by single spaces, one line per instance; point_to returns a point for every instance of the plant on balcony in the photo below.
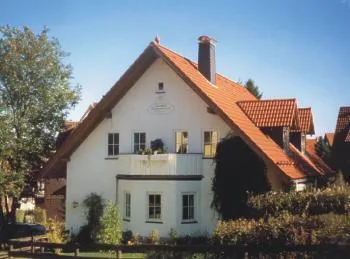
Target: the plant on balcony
pixel 157 146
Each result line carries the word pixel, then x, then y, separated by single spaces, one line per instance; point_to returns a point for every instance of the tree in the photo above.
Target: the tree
pixel 254 89
pixel 35 96
pixel 238 172
pixel 323 149
pixel 111 225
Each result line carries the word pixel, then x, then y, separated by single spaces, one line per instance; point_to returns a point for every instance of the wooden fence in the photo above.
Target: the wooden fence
pixel 40 250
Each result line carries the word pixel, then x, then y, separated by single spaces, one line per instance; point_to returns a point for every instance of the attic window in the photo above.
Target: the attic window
pixel 160 87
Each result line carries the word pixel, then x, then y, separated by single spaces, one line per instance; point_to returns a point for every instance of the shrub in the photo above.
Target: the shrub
pixel 39 215
pixel 20 215
pixel 94 204
pixel 55 232
pixel 153 237
pixel 127 237
pixel 285 229
pixel 84 235
pixel 110 228
pixel 334 199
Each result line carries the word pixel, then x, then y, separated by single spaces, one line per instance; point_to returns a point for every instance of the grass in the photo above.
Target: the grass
pixel 107 255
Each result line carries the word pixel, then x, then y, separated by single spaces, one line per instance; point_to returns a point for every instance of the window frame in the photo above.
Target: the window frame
pixel 127 205
pixel 193 207
pixel 139 144
pixel 114 144
pixel 149 219
pixel 182 143
pixel 211 143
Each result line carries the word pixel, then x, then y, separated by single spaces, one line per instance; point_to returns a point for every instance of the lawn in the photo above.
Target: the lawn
pixel 107 255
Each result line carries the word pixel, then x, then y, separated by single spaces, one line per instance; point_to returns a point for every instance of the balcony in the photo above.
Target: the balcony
pixel 160 164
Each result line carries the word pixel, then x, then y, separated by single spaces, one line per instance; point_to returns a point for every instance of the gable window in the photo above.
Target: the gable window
pixel 181 139
pixel 139 141
pixel 113 144
pixel 188 207
pixel 127 205
pixel 154 207
pixel 210 142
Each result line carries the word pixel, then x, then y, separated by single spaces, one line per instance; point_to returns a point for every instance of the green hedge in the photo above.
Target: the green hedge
pixel 285 229
pixel 330 200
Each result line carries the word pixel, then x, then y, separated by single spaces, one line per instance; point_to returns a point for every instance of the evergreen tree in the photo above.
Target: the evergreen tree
pixel 254 89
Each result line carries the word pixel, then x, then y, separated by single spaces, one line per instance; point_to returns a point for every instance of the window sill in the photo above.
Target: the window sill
pixel 111 158
pixel 153 221
pixel 189 222
pixel 208 157
pixel 126 219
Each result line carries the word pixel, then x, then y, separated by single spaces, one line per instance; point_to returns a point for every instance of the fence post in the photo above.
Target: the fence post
pixel 32 245
pixel 11 247
pixel 119 254
pixel 76 251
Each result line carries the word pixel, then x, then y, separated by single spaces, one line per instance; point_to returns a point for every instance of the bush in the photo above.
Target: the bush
pixel 20 215
pixel 286 229
pixel 94 204
pixel 55 232
pixel 84 235
pixel 153 237
pixel 333 199
pixel 110 228
pixel 39 215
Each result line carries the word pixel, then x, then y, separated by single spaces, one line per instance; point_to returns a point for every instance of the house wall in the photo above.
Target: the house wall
pixel 159 115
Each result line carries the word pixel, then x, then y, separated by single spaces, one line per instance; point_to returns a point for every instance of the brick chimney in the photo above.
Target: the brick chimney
pixel 206 58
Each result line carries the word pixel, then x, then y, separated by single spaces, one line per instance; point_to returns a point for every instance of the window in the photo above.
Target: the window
pixel 210 142
pixel 188 207
pixel 127 204
pixel 139 141
pixel 113 144
pixel 160 86
pixel 181 139
pixel 154 207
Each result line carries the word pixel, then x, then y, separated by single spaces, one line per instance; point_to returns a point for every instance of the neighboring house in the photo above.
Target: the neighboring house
pixel 329 138
pixel 190 107
pixel 340 154
pixel 55 187
pixel 316 159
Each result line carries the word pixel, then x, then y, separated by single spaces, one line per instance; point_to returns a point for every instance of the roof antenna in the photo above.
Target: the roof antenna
pixel 156 39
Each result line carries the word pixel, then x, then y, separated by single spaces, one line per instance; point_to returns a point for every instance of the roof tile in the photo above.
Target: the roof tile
pixel 224 96
pixel 270 113
pixel 306 120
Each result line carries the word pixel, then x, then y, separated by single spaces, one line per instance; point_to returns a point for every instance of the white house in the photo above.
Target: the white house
pixel 190 108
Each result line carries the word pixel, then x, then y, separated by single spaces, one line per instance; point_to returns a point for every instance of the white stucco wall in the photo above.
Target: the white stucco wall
pixel 160 116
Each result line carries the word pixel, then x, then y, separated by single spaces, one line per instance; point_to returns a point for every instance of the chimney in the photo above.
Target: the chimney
pixel 206 58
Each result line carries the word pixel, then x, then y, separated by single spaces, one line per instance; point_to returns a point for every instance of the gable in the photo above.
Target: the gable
pixel 306 120
pixel 222 98
pixel 271 113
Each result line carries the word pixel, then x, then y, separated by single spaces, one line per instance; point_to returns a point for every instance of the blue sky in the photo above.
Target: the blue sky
pixel 291 48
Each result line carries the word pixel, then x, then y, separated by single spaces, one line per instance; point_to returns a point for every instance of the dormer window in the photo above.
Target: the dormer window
pixel 160 88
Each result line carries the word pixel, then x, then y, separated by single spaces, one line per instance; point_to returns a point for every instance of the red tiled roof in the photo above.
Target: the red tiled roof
pixel 343 121
pixel 329 136
pixel 271 113
pixel 222 98
pixel 303 162
pixel 68 125
pixel 318 161
pixel 306 120
pixel 347 139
